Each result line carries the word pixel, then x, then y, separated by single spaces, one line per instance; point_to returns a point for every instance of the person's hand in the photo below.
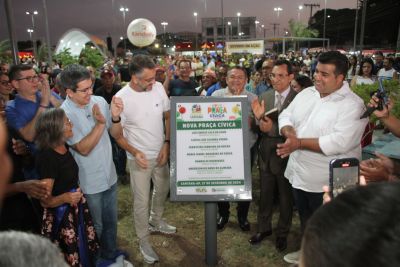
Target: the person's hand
pixel 73 198
pixel 162 157
pixel 19 147
pixel 266 124
pixel 258 108
pixel 117 106
pixel 97 115
pixel 384 113
pixel 376 170
pixel 141 160
pixel 291 144
pixel 45 92
pixel 327 195
pixel 170 73
pixel 35 188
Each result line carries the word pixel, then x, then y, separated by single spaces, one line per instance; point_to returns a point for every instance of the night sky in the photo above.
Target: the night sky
pixel 103 18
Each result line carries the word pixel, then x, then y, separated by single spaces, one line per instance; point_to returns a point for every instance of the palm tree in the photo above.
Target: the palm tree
pixel 298 29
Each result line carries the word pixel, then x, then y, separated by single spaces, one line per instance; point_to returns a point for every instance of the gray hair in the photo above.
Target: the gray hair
pixel 49 128
pixel 72 75
pixel 28 250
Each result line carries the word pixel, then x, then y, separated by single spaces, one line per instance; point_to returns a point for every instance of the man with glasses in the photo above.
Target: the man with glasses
pixel 145 122
pixel 236 82
pixel 91 147
pixel 322 123
pixel 5 87
pixel 272 167
pixel 23 111
pixel 183 86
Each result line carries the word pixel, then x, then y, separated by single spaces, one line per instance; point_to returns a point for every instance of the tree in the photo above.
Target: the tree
pixel 298 29
pixel 90 56
pixel 65 57
pixel 5 51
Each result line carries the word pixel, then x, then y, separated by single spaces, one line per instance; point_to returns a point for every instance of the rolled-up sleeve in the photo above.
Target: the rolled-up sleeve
pixel 347 131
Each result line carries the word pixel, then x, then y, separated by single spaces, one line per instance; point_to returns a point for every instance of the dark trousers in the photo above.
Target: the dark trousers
pixel 307 203
pixel 269 182
pixel 243 206
pixel 119 158
pixel 242 209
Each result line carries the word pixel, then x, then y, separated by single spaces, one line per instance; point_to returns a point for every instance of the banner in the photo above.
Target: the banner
pixel 250 47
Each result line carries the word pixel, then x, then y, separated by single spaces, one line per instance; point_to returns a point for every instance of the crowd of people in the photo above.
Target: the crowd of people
pixel 72 135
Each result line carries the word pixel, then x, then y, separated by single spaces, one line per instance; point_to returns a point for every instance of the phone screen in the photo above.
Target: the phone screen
pixel 344 176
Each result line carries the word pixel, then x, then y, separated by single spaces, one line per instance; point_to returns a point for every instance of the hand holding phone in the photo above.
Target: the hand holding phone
pixel 343 174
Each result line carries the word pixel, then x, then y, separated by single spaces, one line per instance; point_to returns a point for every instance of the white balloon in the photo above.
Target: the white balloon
pixel 141 32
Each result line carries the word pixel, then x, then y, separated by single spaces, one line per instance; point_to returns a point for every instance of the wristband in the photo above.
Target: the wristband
pixel 117 121
pixel 43 106
pixel 166 141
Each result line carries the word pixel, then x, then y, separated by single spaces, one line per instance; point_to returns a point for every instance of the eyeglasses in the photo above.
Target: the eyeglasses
pixel 86 90
pixel 278 76
pixel 68 122
pixel 30 78
pixel 5 83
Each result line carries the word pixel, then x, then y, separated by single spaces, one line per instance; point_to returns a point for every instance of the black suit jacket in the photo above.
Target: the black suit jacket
pixel 267 148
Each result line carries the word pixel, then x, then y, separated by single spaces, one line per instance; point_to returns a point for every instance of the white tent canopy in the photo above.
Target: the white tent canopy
pixel 75 39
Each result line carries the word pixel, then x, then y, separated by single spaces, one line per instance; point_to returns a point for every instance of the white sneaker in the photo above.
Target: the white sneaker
pixel 147 251
pixel 162 227
pixel 292 257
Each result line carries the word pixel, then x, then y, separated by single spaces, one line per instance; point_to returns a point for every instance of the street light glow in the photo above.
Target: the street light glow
pixel 124 9
pixel 238 14
pixel 195 14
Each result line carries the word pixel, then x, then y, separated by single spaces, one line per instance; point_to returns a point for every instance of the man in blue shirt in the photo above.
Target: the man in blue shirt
pixel 23 111
pixel 91 147
pixel 221 76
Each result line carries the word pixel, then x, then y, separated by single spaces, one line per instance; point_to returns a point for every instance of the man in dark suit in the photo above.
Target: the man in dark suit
pixel 272 167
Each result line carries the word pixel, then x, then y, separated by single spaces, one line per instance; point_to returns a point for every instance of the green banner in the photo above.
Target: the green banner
pixel 210 183
pixel 206 125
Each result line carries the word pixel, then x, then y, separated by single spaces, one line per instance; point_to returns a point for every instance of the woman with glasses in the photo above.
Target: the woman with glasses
pixel 364 74
pixel 66 218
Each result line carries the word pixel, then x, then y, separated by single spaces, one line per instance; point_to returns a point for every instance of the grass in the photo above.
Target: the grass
pixel 186 247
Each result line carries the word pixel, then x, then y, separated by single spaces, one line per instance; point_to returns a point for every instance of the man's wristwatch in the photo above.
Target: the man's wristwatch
pixel 116 121
pixel 166 141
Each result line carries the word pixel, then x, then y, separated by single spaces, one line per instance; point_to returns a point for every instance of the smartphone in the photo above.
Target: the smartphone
pixel 343 174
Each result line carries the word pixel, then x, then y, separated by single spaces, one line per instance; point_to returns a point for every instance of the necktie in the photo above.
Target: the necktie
pixel 278 102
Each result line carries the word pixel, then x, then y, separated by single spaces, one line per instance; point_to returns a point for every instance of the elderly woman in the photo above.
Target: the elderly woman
pixel 66 218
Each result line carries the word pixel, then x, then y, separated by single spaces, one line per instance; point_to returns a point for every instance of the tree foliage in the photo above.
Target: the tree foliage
pixel 91 57
pixel 65 57
pixel 5 51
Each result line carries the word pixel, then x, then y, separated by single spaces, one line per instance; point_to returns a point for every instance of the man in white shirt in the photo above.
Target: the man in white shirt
pixel 146 108
pixel 387 72
pixel 322 123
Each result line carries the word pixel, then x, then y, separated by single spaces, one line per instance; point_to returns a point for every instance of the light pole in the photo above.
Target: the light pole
pixel 300 8
pixel 164 24
pixel 33 14
pixel 256 23
pixel 195 26
pixel 230 29
pixel 30 31
pixel 264 29
pixel 124 10
pixel 238 26
pixel 278 10
pixel 323 42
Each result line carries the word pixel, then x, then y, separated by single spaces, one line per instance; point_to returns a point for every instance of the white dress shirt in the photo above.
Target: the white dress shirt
pixel 335 121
